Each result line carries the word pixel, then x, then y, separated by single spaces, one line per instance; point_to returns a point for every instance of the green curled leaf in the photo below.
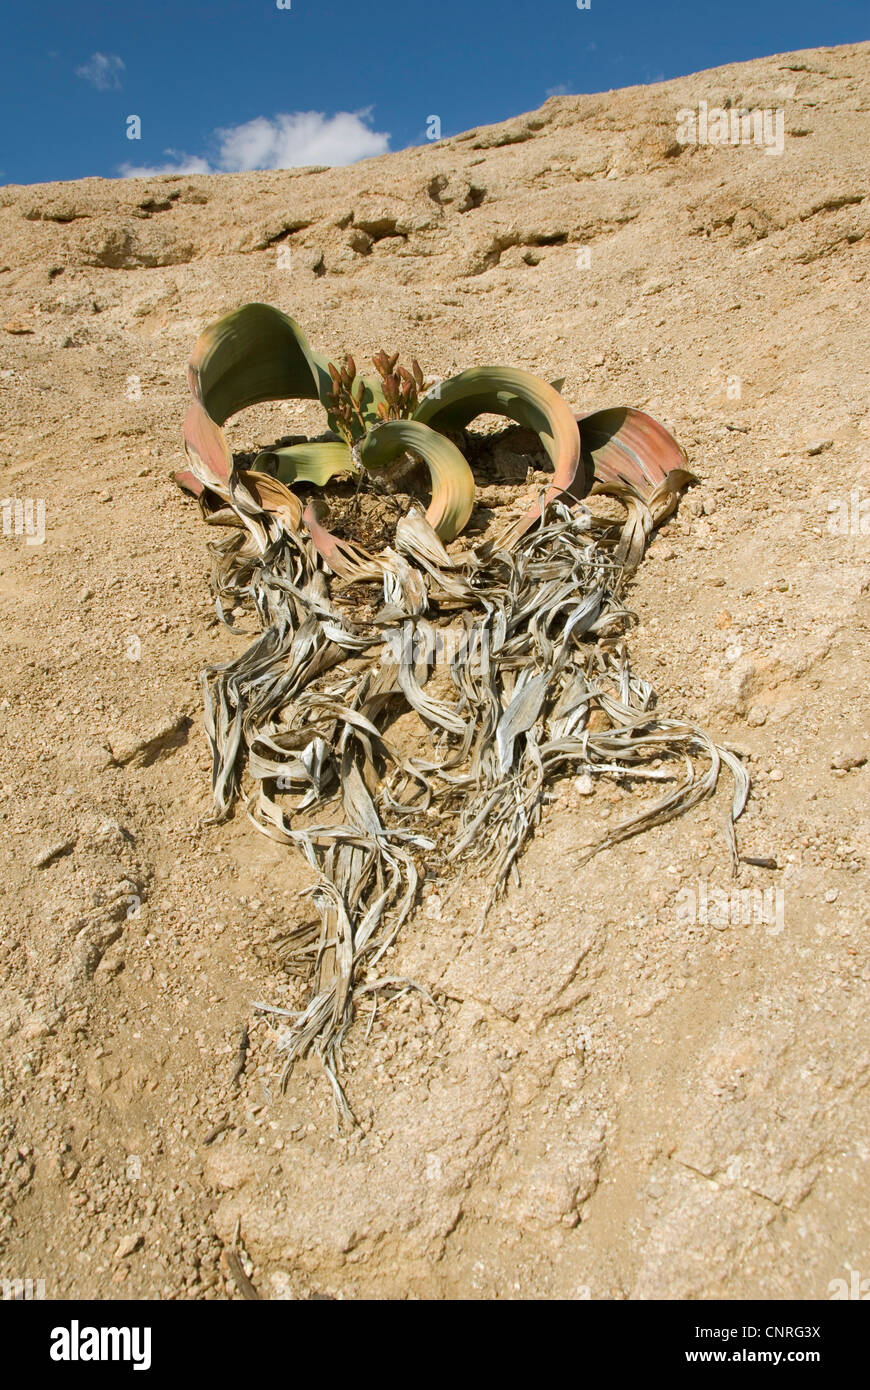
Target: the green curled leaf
pixel 257 353
pixel 306 463
pixel 452 479
pixel 453 404
pixel 531 402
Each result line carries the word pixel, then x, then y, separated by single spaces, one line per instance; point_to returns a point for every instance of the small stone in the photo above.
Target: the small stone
pixel 756 716
pixel 128 1245
pixel 775 774
pixel 85 595
pixel 717 582
pixel 109 966
pixel 46 856
pixel 360 241
pixel 17 326
pixel 68 1167
pixel 112 832
pixel 434 907
pixel 847 761
pixel 733 654
pixel 831 895
pixel 818 446
pixel 723 618
pixel 584 785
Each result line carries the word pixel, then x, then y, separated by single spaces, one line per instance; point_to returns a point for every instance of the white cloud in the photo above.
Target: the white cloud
pixel 284 142
pixel 103 71
pixel 184 166
pixel 303 137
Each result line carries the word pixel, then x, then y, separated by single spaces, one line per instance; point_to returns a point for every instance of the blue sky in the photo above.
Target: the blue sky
pixel 243 84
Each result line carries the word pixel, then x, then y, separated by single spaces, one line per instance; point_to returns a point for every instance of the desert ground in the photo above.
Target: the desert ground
pixel 596 1097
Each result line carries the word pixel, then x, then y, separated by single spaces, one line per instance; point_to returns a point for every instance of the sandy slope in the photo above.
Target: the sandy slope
pixel 607 1099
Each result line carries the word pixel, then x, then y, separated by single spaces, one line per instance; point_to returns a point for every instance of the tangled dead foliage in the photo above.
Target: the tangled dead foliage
pixel 516 665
